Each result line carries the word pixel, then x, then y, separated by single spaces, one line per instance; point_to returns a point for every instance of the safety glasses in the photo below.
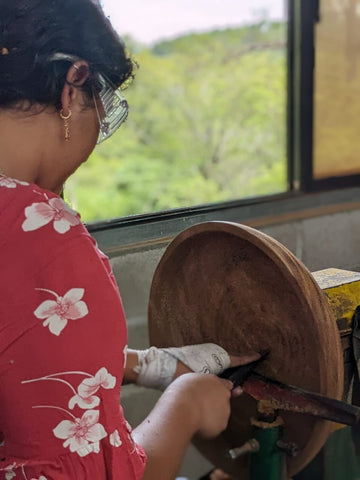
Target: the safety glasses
pixel 111 106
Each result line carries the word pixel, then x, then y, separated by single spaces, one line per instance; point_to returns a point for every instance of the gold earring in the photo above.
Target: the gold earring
pixel 66 123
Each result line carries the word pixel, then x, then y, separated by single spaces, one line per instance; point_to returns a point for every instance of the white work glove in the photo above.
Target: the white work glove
pixel 157 366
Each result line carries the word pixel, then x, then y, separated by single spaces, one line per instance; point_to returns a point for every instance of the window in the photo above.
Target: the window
pixel 208 109
pixel 324 105
pixel 337 90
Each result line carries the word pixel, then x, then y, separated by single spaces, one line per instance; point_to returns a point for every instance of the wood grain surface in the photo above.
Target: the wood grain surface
pixel 235 286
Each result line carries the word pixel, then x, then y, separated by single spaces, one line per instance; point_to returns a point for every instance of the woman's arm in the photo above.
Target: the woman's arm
pixel 192 404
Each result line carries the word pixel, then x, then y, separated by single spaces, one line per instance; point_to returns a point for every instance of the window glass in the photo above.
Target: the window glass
pixel 207 118
pixel 337 90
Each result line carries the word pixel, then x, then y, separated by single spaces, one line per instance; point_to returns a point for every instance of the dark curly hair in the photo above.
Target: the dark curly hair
pixel 33 30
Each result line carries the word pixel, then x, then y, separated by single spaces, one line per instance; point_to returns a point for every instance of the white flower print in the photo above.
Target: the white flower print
pixel 11 183
pixel 102 378
pixel 84 403
pixel 54 210
pixel 9 472
pixel 130 437
pixel 92 447
pixel 85 397
pixel 81 435
pixel 58 312
pixel 82 432
pixel 40 478
pixel 128 427
pixel 114 439
pixel 125 354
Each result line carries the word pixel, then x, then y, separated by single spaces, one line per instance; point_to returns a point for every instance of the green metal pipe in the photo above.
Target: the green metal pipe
pixel 269 462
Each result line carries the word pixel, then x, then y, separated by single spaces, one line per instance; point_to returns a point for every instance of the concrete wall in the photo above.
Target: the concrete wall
pixel 331 240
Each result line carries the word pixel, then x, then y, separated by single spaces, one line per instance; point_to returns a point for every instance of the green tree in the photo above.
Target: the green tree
pixel 206 124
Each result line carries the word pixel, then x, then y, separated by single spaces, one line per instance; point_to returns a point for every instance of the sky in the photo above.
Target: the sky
pixel 150 20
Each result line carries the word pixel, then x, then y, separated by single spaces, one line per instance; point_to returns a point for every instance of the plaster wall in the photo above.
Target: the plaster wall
pixel 320 242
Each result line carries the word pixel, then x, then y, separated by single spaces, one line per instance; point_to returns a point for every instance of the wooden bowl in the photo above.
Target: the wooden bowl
pixel 235 286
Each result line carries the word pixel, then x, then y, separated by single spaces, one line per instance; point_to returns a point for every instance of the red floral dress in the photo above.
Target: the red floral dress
pixel 62 345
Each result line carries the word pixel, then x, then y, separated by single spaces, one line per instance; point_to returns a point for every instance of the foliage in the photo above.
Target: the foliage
pixel 207 124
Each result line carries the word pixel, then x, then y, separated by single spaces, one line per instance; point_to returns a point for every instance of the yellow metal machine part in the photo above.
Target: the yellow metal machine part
pixel 342 287
pixel 339 459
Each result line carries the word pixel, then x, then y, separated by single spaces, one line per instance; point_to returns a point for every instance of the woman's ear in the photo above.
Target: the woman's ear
pixel 76 76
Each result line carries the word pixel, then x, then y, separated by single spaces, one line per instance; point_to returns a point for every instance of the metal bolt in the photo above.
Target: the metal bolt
pixel 289 448
pixel 251 446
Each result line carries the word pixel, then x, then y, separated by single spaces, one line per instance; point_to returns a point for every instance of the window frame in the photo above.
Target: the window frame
pixel 142 230
pixel 305 15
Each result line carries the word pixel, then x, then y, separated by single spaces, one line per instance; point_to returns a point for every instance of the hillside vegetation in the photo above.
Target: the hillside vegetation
pixel 207 124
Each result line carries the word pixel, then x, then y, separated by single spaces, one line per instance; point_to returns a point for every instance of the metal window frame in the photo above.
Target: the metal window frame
pixel 305 14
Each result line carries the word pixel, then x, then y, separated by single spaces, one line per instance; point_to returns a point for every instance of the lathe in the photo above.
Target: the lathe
pixel 233 285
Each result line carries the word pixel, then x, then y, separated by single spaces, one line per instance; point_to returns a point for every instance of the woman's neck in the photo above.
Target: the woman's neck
pixel 28 150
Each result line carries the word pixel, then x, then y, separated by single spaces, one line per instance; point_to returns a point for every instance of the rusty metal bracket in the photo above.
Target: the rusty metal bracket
pixel 276 396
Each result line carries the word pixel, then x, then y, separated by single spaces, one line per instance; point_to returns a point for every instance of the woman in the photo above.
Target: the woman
pixel 62 331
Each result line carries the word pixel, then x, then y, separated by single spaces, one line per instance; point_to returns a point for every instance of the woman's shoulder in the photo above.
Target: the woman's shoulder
pixel 28 207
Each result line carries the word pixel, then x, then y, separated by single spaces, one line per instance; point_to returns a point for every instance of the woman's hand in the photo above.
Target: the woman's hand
pixel 157 367
pixel 208 401
pixel 193 404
